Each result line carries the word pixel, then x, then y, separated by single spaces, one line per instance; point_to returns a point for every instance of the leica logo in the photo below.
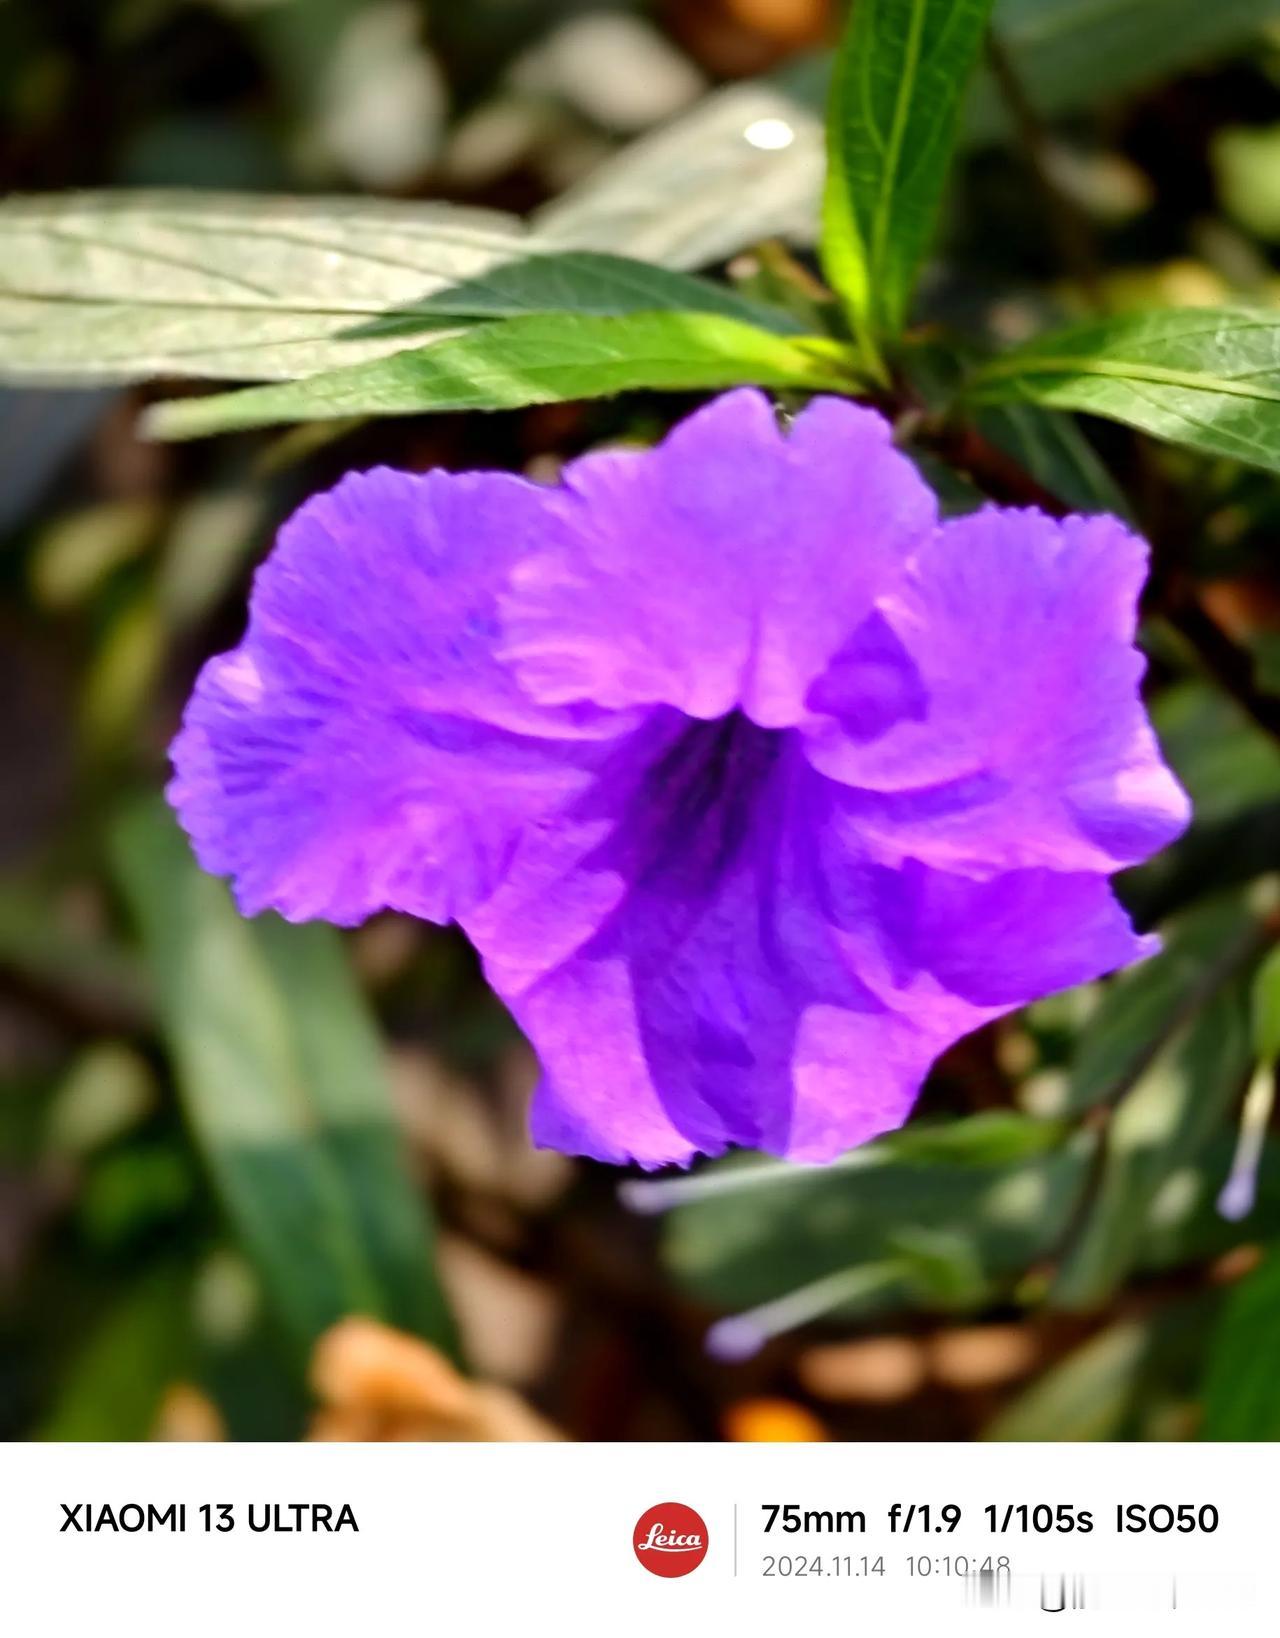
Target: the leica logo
pixel 657 1542
pixel 670 1539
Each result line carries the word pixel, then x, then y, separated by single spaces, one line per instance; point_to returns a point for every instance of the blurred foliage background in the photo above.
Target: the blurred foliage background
pixel 243 1165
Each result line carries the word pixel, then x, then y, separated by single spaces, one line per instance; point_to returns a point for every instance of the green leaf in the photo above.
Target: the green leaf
pixel 113 1387
pixel 1189 1229
pixel 942 1266
pixel 900 73
pixel 109 1089
pixel 956 495
pixel 1128 1381
pixel 1246 163
pixel 996 1137
pixel 1145 1006
pixel 39 940
pixel 1227 763
pixel 128 285
pixel 711 182
pixel 534 360
pixel 744 164
pixel 284 1092
pixel 1242 1385
pixel 1054 451
pixel 1074 54
pixel 1071 55
pixel 340 1060
pixel 581 282
pixel 1207 378
pixel 1266 1010
pixel 996 1195
pixel 1164 1122
pixel 1088 1396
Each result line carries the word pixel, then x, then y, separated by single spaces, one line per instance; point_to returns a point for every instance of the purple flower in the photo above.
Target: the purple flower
pixel 754 785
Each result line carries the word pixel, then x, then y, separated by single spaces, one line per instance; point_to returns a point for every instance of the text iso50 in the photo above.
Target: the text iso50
pixel 1161 1518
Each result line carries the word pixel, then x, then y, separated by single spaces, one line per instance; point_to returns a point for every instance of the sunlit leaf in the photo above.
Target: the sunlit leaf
pixel 580 282
pixel 997 1199
pixel 1187 1226
pixel 109 1089
pixel 1266 1009
pixel 1117 1384
pixel 1246 159
pixel 535 360
pixel 745 164
pixel 899 77
pixel 284 1092
pixel 1159 1129
pixel 1145 1006
pixel 127 285
pixel 1086 1396
pixel 1207 378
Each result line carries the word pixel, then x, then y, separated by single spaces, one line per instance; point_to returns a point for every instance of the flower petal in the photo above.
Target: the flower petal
pixel 706 999
pixel 362 747
pixel 1032 748
pixel 722 569
pixel 725 965
pixel 1015 937
pixel 722 965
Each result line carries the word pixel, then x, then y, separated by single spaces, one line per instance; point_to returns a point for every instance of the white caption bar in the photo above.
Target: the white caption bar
pixel 652 1540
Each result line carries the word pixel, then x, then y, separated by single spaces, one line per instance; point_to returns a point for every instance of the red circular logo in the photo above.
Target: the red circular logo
pixel 670 1539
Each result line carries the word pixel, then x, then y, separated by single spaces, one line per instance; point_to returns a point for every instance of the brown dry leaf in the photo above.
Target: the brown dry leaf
pixel 982 1356
pixel 186 1415
pixel 376 1383
pixel 876 1371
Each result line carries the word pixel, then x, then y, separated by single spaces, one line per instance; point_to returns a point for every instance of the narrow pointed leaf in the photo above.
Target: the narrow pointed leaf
pixel 1144 1007
pixel 899 77
pixel 284 1092
pixel 1163 1124
pixel 1051 447
pixel 1206 378
pixel 1004 1196
pixel 534 360
pixel 583 282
